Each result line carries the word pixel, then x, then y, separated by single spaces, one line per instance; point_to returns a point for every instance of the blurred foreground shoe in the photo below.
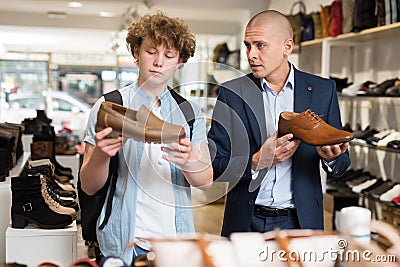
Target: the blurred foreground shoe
pixel 84 262
pixel 311 129
pixel 141 125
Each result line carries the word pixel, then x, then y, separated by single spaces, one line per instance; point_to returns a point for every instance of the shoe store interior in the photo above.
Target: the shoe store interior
pixel 57 58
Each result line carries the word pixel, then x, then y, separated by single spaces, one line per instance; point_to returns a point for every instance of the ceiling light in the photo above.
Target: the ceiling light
pixel 56 15
pixel 106 14
pixel 75 4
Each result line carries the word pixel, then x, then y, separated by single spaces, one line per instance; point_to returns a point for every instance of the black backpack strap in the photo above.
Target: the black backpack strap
pixel 116 97
pixel 186 109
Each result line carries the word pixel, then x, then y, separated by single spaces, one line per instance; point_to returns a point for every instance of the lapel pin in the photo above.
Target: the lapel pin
pixel 309 88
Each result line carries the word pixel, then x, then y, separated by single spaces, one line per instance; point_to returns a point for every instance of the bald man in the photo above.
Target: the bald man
pixel 273 182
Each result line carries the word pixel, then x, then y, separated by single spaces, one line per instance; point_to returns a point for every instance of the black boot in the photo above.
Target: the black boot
pixel 29 206
pixel 46 171
pixel 41 116
pixel 16 130
pixel 3 168
pixel 7 142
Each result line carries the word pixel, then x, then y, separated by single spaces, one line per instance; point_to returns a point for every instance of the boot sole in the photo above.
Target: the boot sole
pixel 20 221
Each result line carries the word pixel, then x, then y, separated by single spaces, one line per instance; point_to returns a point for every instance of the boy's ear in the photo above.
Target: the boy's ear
pixel 136 52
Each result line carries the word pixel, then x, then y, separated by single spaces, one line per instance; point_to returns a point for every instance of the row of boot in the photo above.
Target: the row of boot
pixel 10 147
pixel 43 194
pixel 40 198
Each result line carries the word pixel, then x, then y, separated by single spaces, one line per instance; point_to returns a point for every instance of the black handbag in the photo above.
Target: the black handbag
pixel 303 25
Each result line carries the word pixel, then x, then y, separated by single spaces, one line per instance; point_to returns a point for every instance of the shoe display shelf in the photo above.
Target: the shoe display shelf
pixel 5 200
pixel 369 55
pixel 32 245
pixel 378 113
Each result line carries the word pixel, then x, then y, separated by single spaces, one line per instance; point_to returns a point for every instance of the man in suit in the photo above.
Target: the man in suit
pixel 273 181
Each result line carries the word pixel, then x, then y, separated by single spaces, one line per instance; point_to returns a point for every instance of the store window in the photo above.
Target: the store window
pixel 21 76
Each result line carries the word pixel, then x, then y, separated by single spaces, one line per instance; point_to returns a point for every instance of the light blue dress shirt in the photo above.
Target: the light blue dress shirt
pixel 276 187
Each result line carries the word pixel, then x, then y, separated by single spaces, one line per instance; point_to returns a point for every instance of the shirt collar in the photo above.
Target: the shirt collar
pixel 146 95
pixel 289 82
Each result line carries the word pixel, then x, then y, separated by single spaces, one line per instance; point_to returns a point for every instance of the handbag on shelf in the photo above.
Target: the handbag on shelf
pixel 347 15
pixel 325 20
pixel 316 17
pixel 295 20
pixel 335 26
pixel 302 24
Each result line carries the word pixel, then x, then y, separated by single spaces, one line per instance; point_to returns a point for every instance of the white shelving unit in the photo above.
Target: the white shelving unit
pixel 370 55
pixel 31 245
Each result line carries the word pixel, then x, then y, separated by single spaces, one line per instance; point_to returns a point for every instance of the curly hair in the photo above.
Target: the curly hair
pixel 162 30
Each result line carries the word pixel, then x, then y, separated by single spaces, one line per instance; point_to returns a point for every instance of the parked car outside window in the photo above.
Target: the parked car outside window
pixel 62 107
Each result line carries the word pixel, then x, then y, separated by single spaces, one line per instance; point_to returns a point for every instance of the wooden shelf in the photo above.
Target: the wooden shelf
pixel 380 32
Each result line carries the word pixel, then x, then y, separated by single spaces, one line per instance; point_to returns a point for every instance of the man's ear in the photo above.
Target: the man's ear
pixel 288 46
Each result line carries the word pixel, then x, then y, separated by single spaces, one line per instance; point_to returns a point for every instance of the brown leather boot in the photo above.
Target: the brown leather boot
pixel 41 150
pixel 311 129
pixel 141 125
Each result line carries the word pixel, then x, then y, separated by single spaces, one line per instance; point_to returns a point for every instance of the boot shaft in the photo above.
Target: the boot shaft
pixel 26 182
pixel 41 150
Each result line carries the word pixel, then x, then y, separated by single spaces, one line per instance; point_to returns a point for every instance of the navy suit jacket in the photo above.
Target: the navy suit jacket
pixel 239 129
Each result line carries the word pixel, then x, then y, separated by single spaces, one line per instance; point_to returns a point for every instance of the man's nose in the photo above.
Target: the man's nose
pixel 251 52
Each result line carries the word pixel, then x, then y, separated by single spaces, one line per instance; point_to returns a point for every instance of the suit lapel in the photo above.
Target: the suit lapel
pixel 303 92
pixel 254 107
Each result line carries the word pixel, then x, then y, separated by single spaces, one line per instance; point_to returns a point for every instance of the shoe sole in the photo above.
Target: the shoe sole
pixel 20 222
pixel 116 134
pixel 328 144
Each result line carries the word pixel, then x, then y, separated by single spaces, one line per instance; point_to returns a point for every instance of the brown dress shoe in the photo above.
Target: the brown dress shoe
pixel 141 125
pixel 311 129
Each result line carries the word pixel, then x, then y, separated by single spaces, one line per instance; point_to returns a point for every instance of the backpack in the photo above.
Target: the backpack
pixel 91 206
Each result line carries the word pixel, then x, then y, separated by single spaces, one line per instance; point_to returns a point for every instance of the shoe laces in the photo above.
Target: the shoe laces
pixel 48 199
pixel 313 116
